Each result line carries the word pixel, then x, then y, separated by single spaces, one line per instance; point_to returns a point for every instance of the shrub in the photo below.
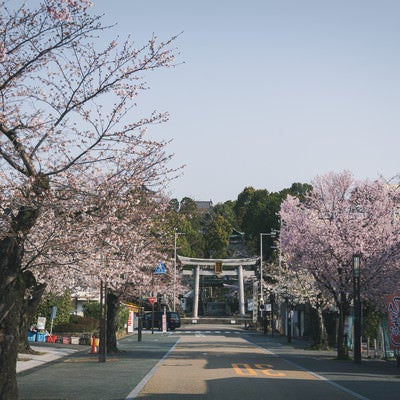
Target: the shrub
pixel 91 310
pixel 63 304
pixel 78 324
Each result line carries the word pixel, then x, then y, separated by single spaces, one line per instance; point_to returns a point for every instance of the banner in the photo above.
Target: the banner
pixel 41 323
pixel 393 307
pixel 131 317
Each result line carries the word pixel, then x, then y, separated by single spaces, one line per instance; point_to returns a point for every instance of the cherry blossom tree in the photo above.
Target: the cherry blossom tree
pixel 67 140
pixel 339 218
pixel 292 286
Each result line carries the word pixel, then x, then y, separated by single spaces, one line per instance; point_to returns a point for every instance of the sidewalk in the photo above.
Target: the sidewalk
pixel 76 375
pixel 47 352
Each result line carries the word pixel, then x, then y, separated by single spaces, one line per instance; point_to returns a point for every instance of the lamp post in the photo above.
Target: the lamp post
pixel 357 309
pixel 289 319
pixel 261 267
pixel 272 234
pixel 103 322
pixel 272 301
pixel 103 313
pixel 175 237
pixel 176 234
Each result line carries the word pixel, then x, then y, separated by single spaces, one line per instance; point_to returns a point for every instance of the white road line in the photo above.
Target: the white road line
pixel 133 394
pixel 322 378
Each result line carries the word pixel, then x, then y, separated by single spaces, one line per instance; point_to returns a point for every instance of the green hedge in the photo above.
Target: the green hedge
pixel 78 324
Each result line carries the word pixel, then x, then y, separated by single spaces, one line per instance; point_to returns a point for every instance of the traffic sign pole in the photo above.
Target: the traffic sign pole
pixel 152 300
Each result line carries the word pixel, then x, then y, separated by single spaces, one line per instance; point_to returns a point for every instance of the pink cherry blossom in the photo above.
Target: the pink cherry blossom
pixel 339 218
pixel 82 186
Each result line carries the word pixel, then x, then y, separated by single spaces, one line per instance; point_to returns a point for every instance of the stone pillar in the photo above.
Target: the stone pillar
pixel 196 292
pixel 241 291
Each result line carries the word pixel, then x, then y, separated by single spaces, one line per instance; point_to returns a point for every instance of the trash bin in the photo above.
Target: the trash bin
pixel 41 337
pixel 74 339
pixel 51 338
pixel 31 336
pixel 66 340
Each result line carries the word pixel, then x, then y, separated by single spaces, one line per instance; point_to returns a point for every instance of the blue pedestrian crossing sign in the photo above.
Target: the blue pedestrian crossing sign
pixel 160 269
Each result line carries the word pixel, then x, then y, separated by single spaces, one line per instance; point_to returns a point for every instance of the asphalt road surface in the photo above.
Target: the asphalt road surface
pixel 225 365
pixel 208 362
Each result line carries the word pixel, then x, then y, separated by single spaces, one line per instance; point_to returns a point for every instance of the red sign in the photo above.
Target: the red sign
pixel 152 300
pixel 393 307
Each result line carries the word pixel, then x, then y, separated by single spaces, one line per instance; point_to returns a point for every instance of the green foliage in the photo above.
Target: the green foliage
pixel 371 322
pixel 187 220
pixel 206 234
pixel 242 204
pixel 298 190
pixel 63 304
pixel 92 310
pixel 174 204
pixel 226 210
pixel 78 324
pixel 122 317
pixel 217 236
pixel 257 212
pixel 189 209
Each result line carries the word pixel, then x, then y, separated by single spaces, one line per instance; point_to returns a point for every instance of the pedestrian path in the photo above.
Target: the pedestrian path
pixel 43 356
pixel 203 332
pixel 80 376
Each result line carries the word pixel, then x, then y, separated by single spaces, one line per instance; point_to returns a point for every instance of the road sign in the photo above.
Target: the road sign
pixel 160 269
pixel 152 300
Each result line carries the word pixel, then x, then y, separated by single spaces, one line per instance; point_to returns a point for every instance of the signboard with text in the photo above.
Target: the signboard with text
pixel 41 323
pixel 393 308
pixel 131 317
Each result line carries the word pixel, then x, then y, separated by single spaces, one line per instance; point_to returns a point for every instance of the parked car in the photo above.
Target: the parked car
pixel 173 320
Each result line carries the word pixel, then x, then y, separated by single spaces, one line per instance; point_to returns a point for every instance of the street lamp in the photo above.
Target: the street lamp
pixel 357 308
pixel 272 234
pixel 261 268
pixel 176 234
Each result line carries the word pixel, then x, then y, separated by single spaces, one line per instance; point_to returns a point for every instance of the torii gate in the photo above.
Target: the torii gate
pixel 218 267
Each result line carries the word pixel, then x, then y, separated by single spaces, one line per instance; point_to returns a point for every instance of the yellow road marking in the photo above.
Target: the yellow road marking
pixel 239 369
pixel 244 369
pixel 267 370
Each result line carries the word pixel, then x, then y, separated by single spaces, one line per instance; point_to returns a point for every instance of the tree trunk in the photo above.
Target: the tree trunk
pixel 32 298
pixel 319 334
pixel 323 332
pixel 112 322
pixel 341 349
pixel 12 289
pixel 323 335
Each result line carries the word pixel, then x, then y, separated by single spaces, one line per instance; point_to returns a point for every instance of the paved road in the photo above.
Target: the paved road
pixel 372 379
pixel 210 362
pixel 224 365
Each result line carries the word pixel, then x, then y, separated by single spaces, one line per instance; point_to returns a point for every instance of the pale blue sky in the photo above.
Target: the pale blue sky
pixel 272 92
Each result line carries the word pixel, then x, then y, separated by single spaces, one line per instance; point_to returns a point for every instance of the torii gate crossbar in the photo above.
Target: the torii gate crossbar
pixel 218 267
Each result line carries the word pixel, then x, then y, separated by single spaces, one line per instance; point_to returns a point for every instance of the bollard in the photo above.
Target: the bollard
pixel 94 347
